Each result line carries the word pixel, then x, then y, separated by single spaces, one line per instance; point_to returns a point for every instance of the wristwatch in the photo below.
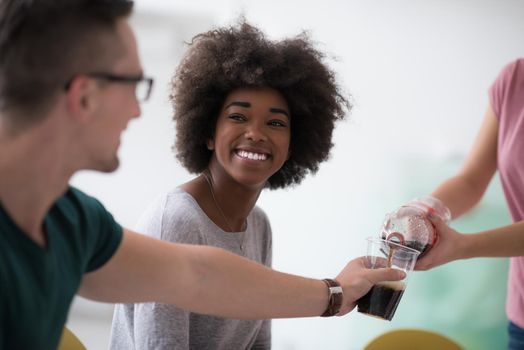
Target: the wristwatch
pixel 335 297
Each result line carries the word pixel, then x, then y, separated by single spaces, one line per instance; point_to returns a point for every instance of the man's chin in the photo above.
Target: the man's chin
pixel 108 167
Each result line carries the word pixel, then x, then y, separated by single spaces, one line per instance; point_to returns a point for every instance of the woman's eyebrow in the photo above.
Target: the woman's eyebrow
pixel 239 104
pixel 248 105
pixel 279 110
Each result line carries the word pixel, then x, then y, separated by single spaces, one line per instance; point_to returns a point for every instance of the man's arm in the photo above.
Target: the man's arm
pixel 212 281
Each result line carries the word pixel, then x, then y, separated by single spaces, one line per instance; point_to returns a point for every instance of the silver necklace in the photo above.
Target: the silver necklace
pixel 209 181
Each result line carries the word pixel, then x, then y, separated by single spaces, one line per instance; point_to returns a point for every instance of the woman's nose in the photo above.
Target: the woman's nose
pixel 255 132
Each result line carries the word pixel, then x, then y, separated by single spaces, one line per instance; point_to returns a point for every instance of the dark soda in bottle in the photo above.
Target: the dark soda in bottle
pixel 409 225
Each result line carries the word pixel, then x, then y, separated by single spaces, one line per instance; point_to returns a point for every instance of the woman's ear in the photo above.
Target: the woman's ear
pixel 210 144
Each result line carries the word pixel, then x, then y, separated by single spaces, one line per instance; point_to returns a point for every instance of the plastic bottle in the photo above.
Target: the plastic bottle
pixel 409 225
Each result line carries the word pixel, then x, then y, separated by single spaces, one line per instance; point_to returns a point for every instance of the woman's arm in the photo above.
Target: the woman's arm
pixel 462 191
pixel 500 242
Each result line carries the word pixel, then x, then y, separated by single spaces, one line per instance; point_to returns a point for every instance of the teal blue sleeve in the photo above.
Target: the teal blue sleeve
pixel 108 240
pixel 101 233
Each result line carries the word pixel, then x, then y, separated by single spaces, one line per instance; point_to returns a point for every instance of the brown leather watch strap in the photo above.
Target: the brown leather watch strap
pixel 335 297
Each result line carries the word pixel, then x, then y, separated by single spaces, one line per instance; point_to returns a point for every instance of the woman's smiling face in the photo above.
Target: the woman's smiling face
pixel 252 135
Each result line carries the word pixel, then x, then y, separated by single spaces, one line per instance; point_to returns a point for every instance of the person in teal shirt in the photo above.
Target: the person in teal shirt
pixel 70 82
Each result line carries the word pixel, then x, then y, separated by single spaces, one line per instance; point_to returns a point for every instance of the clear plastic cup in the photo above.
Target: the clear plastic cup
pixel 384 297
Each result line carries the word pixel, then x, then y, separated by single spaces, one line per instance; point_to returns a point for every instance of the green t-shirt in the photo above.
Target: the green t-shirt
pixel 38 284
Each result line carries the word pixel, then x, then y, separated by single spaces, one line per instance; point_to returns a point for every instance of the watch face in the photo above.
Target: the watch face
pixel 336 290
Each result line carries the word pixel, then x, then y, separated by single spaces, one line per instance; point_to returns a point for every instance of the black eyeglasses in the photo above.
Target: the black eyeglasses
pixel 143 85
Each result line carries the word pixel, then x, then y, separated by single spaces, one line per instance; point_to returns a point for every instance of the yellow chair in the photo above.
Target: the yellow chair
pixel 412 339
pixel 69 341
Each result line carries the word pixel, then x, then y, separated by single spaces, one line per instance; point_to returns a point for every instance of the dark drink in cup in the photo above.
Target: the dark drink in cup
pixel 382 300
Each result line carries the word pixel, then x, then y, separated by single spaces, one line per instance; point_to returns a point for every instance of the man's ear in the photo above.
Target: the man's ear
pixel 210 144
pixel 82 98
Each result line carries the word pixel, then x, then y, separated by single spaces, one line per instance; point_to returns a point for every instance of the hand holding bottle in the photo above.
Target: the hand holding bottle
pixel 410 225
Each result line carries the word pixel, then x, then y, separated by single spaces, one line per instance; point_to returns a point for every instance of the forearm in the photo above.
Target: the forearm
pixel 202 279
pixel 246 290
pixel 459 194
pixel 504 241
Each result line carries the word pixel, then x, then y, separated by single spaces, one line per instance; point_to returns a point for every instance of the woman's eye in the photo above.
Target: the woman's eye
pixel 237 117
pixel 277 123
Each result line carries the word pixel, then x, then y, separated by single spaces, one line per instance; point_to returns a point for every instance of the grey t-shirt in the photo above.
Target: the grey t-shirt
pixel 177 217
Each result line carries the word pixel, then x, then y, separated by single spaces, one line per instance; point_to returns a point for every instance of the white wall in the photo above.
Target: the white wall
pixel 418 72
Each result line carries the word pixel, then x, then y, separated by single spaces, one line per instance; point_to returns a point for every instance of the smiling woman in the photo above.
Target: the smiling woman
pixel 252 137
pixel 225 59
pixel 250 114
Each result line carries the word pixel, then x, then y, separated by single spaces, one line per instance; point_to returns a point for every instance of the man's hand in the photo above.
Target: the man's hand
pixel 356 280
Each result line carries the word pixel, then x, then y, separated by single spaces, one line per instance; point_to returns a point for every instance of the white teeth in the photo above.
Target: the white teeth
pixel 252 156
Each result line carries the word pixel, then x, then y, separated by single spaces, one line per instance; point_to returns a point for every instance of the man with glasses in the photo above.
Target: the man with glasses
pixel 70 81
pixel 143 85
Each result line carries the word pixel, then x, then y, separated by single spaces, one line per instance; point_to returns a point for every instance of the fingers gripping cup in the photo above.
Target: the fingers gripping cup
pixel 383 298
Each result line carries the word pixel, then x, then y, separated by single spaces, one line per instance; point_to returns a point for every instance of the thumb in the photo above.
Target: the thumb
pixel 385 274
pixel 437 221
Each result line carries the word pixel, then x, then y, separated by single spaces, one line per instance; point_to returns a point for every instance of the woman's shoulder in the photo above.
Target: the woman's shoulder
pixel 519 62
pixel 259 213
pixel 511 68
pixel 171 215
pixel 181 208
pixel 259 219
